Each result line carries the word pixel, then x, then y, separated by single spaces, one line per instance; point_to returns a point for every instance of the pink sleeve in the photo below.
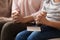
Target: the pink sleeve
pixel 15 6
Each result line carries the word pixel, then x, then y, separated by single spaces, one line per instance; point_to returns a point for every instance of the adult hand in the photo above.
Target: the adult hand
pixel 17 17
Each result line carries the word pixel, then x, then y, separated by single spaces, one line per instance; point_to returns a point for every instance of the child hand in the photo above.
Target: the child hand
pixel 41 18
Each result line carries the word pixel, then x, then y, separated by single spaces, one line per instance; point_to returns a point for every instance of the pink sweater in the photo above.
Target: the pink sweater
pixel 26 7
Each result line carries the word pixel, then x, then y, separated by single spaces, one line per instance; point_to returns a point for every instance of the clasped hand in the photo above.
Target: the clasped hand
pixel 17 17
pixel 41 18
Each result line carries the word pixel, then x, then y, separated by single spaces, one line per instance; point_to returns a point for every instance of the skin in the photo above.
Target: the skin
pixel 18 18
pixel 40 18
pixel 56 1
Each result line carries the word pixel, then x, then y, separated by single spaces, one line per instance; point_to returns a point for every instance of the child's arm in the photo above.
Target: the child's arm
pixel 41 18
pixel 53 24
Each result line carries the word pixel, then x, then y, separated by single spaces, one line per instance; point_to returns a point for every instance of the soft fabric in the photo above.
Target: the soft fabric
pixel 5 8
pixel 52 9
pixel 26 7
pixel 10 30
pixel 46 33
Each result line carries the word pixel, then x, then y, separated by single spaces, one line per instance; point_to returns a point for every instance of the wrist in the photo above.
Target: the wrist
pixel 34 15
pixel 46 22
